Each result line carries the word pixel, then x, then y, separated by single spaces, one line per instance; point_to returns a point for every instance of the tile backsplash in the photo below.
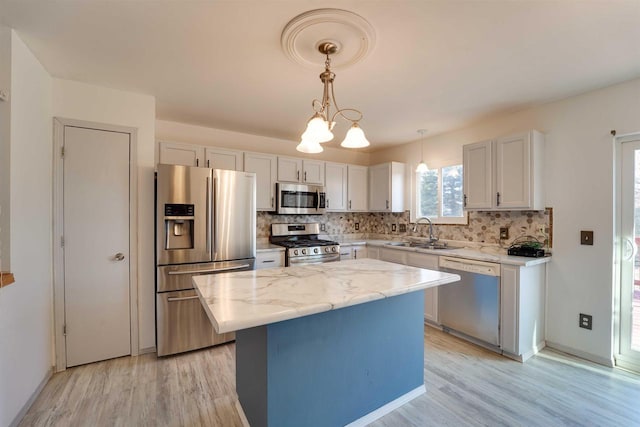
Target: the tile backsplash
pixel 483 227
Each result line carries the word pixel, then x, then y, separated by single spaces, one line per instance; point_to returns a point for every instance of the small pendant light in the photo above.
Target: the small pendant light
pixel 422 166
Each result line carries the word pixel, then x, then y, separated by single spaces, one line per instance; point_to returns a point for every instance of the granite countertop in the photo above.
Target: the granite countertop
pixel 247 299
pixel 268 247
pixel 479 252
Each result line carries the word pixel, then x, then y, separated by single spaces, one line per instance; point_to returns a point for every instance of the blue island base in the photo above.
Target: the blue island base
pixel 331 368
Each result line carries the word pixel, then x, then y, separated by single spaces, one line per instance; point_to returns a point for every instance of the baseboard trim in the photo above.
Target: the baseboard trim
pixel 389 407
pixel 146 350
pixel 34 396
pixel 581 354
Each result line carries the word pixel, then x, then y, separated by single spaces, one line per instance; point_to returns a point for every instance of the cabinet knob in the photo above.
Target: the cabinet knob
pixel 119 256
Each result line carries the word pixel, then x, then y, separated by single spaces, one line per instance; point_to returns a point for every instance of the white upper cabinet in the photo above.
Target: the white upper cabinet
pixel 172 153
pixel 264 166
pixel 219 158
pixel 519 171
pixel 478 175
pixel 386 187
pixel 505 174
pixel 291 169
pixel 357 188
pixel 336 186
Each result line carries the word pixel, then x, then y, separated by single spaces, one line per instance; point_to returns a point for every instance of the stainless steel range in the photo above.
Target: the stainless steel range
pixel 303 245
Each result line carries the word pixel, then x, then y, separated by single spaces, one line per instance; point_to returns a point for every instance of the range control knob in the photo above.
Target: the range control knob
pixel 304 252
pixel 326 249
pixel 295 252
pixel 333 249
pixel 315 250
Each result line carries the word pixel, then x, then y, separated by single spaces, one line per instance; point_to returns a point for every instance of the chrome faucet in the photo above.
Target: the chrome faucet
pixel 432 238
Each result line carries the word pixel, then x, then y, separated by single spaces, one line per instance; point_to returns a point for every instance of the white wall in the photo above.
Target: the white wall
pixel 180 132
pixel 82 101
pixel 5 152
pixel 579 181
pixel 26 353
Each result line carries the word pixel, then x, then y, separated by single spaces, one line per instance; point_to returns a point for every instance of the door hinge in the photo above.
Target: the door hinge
pixel 64 330
pixel 62 241
pixel 62 152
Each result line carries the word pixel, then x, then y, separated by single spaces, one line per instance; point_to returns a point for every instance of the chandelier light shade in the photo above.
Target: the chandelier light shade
pixel 320 125
pixel 422 166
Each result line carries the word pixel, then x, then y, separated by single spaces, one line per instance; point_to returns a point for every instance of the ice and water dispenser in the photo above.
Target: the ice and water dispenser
pixel 179 221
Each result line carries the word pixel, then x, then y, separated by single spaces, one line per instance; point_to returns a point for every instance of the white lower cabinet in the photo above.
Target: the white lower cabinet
pixel 373 252
pixel 431 294
pixel 269 259
pixel 393 255
pixel 353 252
pixel 522 316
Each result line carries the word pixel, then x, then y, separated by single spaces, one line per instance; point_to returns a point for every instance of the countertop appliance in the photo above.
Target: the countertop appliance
pixel 472 305
pixel 205 224
pixel 300 198
pixel 303 245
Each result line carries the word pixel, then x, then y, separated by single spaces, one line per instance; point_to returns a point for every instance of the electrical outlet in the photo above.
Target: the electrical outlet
pixel 323 227
pixel 585 321
pixel 394 228
pixel 504 233
pixel 586 237
pixel 357 226
pixel 403 228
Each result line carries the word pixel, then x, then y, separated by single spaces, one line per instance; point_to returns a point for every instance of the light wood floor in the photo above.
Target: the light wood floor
pixel 466 386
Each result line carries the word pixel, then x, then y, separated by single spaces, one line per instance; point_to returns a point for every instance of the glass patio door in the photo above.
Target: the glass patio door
pixel 628 226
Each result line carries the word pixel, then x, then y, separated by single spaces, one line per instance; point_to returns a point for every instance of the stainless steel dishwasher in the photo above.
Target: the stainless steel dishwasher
pixel 472 305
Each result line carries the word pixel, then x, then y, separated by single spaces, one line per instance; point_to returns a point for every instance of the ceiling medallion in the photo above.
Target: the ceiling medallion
pixel 352 35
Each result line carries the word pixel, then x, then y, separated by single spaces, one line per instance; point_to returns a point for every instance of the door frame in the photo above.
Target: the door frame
pixel 58 228
pixel 619 359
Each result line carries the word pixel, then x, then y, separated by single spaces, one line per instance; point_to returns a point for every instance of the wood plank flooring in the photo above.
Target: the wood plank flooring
pixel 466 386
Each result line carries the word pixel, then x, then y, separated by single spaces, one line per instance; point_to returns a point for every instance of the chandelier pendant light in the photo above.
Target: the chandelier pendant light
pixel 422 166
pixel 320 125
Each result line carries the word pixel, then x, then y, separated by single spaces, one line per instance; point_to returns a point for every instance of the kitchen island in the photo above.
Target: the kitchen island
pixel 325 344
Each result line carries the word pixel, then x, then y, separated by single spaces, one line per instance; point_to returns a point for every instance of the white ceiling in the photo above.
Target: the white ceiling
pixel 438 64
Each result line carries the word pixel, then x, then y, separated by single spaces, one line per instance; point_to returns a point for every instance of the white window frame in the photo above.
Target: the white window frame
pixel 463 220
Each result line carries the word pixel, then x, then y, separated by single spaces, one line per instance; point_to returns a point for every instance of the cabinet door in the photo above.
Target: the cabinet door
pixel 478 175
pixel 264 166
pixel 346 253
pixel 218 158
pixel 430 295
pixel 313 172
pixel 373 252
pixel 509 309
pixel 269 259
pixel 357 185
pixel 380 187
pixel 336 187
pixel 513 172
pixel 359 252
pixel 393 255
pixel 289 169
pixel 171 153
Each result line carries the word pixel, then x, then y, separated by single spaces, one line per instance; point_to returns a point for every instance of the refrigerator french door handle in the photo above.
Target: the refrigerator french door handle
pixel 208 203
pixel 214 237
pixel 632 250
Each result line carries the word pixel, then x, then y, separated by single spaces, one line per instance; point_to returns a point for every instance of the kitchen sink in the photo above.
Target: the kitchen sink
pixel 422 245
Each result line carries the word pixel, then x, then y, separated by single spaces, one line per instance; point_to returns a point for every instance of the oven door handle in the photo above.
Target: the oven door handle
pixel 317 200
pixel 208 270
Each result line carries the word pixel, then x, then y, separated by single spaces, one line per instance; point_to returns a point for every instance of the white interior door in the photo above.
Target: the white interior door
pixel 96 245
pixel 629 235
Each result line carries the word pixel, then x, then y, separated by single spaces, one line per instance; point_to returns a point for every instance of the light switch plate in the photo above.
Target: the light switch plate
pixel 586 237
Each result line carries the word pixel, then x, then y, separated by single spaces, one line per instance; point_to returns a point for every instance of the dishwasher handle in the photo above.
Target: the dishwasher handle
pixel 470 266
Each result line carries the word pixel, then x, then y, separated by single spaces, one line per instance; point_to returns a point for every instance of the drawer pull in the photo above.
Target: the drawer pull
pixel 268 260
pixel 173 299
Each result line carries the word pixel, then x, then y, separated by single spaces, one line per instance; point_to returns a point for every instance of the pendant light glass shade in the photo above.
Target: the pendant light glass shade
pixel 355 138
pixel 309 146
pixel 317 130
pixel 422 167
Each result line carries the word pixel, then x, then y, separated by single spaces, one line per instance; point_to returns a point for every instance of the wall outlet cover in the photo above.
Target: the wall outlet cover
pixel 586 321
pixel 403 228
pixel 394 228
pixel 357 226
pixel 586 237
pixel 504 233
pixel 323 227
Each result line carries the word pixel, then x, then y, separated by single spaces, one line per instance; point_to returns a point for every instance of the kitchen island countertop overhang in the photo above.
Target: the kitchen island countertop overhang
pixel 242 300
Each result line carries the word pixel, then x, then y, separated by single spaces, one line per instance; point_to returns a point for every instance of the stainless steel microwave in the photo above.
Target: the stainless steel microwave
pixel 300 198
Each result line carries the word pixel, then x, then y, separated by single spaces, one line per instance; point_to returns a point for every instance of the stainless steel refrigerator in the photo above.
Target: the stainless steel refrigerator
pixel 205 224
